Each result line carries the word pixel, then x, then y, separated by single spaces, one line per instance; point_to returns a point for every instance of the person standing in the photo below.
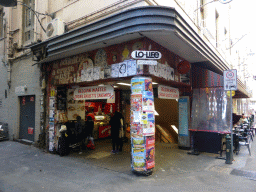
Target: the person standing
pixel 116 127
pixel 79 132
pixel 89 132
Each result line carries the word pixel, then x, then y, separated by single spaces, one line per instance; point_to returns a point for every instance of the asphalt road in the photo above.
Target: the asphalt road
pixel 26 168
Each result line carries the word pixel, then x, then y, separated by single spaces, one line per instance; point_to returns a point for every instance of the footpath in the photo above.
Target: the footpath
pixel 26 168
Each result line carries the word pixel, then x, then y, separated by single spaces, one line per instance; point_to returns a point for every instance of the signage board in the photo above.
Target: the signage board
pixel 94 92
pixel 20 90
pixel 165 92
pixel 230 80
pixel 146 62
pixel 138 54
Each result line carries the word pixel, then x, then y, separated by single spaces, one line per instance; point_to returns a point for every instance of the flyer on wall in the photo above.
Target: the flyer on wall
pixel 150 152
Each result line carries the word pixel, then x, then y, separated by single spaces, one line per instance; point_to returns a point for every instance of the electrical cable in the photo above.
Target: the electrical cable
pixel 35 12
pixel 212 2
pixel 236 42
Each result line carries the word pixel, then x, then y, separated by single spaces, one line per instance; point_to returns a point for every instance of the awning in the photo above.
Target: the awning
pixel 164 25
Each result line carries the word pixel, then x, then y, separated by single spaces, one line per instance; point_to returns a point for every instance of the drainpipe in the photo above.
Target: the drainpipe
pixel 8 36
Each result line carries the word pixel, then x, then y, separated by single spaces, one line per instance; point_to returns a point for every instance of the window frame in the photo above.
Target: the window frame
pixel 28 15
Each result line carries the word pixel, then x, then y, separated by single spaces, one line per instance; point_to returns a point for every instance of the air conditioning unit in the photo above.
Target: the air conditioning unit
pixel 55 27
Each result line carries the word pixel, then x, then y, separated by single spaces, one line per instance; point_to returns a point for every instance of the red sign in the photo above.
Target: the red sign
pixel 150 152
pixel 32 99
pixel 104 131
pixel 23 100
pixel 30 130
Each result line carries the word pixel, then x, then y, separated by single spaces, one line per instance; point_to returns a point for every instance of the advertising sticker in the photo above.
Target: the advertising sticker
pixel 131 67
pixel 96 73
pixel 123 69
pixel 115 70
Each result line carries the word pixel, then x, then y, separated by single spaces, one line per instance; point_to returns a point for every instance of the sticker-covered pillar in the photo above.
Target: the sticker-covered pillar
pixel 142 125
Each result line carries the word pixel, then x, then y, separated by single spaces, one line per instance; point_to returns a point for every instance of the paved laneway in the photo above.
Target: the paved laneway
pixel 26 168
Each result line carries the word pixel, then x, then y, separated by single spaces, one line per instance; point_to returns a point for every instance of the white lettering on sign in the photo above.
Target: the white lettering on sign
pixel 146 62
pixel 165 92
pixel 95 92
pixel 230 80
pixel 137 54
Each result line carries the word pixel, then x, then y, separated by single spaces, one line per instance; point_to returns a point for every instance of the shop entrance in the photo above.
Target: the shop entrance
pixel 27 117
pixel 166 118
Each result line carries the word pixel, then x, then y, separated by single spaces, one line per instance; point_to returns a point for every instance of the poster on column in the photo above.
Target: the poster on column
pixel 138 142
pixel 138 85
pixel 149 128
pixel 150 152
pixel 148 101
pixel 136 102
pixel 139 159
pixel 136 130
pixel 148 85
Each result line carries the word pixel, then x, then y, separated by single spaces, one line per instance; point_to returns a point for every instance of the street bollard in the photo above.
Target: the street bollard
pixel 229 153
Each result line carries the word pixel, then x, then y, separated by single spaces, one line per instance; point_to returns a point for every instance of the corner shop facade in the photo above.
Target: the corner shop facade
pixel 110 41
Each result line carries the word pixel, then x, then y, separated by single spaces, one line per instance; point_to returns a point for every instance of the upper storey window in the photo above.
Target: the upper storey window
pixel 28 21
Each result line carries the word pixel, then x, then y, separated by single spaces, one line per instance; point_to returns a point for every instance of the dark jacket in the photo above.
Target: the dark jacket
pixel 79 129
pixel 115 123
pixel 89 127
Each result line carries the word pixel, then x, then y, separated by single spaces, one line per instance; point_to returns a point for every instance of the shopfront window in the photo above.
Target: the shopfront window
pixel 210 110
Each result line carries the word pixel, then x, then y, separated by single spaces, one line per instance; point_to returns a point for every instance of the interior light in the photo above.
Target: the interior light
pixel 175 129
pixel 126 84
pixel 101 85
pixel 115 86
pixel 154 83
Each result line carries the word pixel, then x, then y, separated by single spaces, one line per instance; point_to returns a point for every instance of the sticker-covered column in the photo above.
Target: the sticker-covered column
pixel 142 125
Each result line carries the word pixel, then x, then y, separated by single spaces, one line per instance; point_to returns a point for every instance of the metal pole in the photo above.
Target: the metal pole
pixel 231 126
pixel 229 140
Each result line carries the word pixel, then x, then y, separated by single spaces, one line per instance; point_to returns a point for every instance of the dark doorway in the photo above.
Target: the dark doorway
pixel 27 117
